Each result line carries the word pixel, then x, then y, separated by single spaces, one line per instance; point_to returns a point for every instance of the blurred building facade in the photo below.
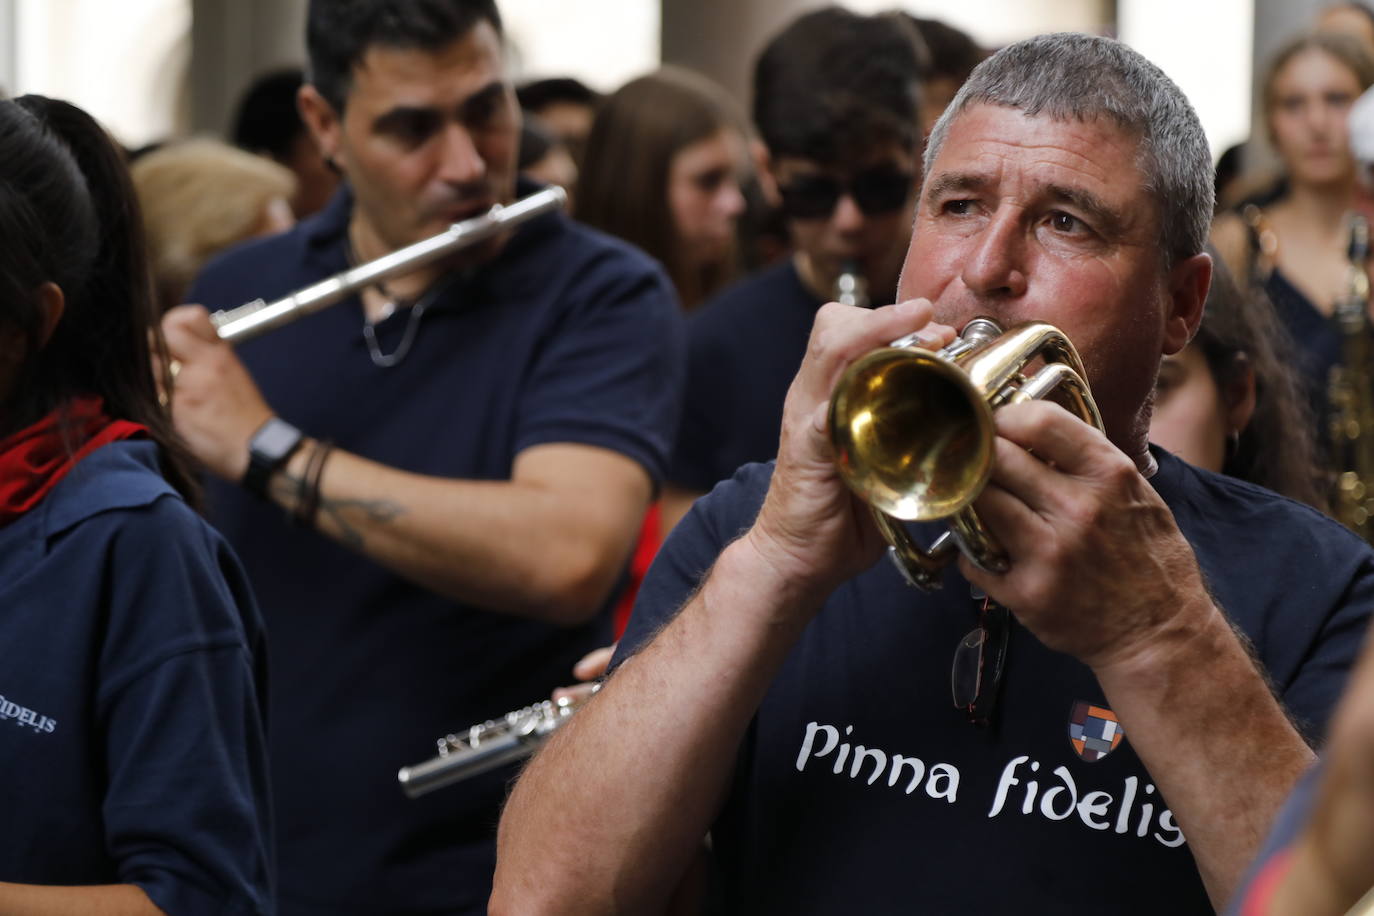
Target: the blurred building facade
pixel 158 68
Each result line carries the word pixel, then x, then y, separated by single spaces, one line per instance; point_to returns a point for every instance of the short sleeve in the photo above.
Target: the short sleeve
pixel 610 372
pixel 689 552
pixel 187 804
pixel 706 412
pixel 1313 692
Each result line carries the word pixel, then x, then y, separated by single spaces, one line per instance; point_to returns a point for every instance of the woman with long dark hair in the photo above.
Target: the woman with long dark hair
pixel 662 171
pixel 1229 402
pixel 131 728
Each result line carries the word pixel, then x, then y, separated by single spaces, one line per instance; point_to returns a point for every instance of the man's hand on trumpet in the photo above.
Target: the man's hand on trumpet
pixel 812 530
pixel 1098 567
pixel 216 405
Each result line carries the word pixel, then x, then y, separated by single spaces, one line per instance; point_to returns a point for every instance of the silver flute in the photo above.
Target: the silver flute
pixel 514 736
pixel 257 317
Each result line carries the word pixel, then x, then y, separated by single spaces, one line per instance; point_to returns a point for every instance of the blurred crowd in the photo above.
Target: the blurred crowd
pixel 245 584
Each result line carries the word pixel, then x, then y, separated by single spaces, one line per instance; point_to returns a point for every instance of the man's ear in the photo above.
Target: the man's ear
pixel 763 167
pixel 325 124
pixel 1188 282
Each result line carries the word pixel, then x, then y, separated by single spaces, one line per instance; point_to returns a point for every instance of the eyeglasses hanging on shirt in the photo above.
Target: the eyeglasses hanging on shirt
pixel 979 662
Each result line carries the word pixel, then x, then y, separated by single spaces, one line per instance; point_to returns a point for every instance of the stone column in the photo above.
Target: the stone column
pixel 721 38
pixel 7 47
pixel 234 41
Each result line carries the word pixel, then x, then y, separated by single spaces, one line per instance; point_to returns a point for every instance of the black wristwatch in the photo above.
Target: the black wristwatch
pixel 271 446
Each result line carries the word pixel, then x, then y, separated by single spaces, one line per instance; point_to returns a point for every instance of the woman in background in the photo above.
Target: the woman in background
pixel 1293 241
pixel 200 197
pixel 1228 403
pixel 662 171
pixel 131 723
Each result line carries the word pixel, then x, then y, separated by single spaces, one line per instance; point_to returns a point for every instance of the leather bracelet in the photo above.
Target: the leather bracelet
pixel 308 492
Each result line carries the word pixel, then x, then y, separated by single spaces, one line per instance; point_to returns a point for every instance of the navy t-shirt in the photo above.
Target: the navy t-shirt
pixel 131 665
pixel 744 348
pixel 567 336
pixel 860 788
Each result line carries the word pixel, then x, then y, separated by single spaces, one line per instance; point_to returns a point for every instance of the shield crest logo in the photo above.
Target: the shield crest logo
pixel 1094 731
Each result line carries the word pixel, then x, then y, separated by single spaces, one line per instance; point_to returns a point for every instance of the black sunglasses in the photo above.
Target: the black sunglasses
pixel 979 659
pixel 878 191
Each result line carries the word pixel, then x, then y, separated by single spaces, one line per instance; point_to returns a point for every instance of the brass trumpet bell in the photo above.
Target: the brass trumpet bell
pixel 913 431
pixel 912 436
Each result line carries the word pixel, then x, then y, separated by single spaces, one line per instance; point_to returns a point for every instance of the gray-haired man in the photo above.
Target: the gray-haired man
pixel 797 706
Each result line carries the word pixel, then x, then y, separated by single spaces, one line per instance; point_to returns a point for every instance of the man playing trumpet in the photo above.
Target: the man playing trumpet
pixel 498 422
pixel 791 696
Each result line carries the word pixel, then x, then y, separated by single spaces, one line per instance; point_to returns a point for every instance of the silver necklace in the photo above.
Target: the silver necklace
pixel 393 302
pixel 417 311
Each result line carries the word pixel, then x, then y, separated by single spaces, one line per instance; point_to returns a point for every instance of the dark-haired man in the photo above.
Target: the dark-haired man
pixel 788 693
pixel 951 56
pixel 835 101
pixel 268 123
pixel 466 453
pixel 565 107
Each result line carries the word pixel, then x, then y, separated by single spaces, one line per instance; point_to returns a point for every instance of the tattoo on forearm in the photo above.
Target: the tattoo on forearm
pixel 379 511
pixel 286 488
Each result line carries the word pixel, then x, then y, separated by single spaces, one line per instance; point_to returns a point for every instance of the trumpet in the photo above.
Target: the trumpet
pixel 257 317
pixel 488 745
pixel 913 432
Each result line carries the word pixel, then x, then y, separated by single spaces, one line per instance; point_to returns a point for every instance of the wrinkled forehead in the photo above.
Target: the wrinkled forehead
pixel 1095 163
pixel 1098 144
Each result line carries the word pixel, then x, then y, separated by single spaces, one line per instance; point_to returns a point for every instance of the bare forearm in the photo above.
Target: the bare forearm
pixel 505 545
pixel 1215 740
pixel 1310 888
pixel 613 810
pixel 94 900
pixel 1333 860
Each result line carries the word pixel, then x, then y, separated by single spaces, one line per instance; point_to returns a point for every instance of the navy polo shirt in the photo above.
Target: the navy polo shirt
pixel 131 667
pixel 744 348
pixel 566 336
pixel 860 788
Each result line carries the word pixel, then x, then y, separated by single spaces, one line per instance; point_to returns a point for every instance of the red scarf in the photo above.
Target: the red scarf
pixel 33 460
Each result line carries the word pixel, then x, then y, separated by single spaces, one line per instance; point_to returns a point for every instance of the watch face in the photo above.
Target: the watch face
pixel 276 438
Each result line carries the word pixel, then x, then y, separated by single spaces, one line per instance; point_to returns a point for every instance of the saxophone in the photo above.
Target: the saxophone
pixel 1351 393
pixel 490 744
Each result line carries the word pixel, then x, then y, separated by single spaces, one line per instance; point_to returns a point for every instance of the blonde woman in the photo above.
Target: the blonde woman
pixel 201 196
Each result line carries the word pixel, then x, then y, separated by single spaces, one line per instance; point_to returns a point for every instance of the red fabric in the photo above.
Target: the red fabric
pixel 34 459
pixel 1262 889
pixel 649 542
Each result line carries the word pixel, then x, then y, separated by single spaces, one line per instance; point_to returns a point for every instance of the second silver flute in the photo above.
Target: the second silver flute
pixel 491 744
pixel 257 317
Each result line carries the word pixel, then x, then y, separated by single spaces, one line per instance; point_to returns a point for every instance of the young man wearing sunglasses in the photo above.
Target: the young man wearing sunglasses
pixel 835 100
pixel 788 693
